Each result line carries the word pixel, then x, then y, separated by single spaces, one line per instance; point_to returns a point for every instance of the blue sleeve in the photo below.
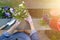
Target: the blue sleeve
pixel 5 35
pixel 34 35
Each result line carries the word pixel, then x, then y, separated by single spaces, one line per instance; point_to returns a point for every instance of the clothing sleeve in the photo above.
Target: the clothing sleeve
pixel 4 35
pixel 34 35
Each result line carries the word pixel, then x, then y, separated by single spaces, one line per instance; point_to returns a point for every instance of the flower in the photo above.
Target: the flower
pixel 20 5
pixel 7 14
pixel 11 10
pixel 6 8
pixel 22 1
pixel 25 11
pixel 18 13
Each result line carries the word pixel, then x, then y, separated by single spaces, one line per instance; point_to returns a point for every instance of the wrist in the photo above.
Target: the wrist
pixel 32 26
pixel 33 31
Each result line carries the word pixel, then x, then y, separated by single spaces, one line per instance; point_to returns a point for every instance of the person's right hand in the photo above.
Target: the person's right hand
pixel 29 19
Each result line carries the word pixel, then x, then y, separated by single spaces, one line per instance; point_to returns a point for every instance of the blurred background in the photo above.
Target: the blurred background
pixel 37 9
pixel 41 12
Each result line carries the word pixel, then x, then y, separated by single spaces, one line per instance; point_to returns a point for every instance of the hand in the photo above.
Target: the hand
pixel 29 19
pixel 12 29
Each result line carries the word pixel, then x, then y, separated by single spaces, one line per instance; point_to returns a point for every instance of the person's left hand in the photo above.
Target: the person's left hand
pixel 12 29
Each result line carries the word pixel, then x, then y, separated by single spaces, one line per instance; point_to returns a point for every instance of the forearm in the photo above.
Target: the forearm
pixel 32 26
pixel 34 33
pixel 10 31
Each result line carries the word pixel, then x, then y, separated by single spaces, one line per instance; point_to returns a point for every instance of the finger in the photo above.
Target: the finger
pixel 15 25
pixel 18 22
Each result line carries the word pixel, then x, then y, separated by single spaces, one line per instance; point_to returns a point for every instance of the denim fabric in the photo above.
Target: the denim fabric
pixel 15 36
pixel 19 36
